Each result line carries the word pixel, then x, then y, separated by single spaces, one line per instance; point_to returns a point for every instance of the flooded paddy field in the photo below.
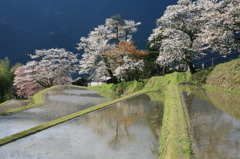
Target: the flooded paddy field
pixel 13 105
pixel 59 102
pixel 215 123
pixel 126 130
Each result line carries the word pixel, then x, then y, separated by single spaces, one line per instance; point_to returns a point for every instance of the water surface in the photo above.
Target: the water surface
pixel 215 120
pixel 13 104
pixel 59 102
pixel 126 130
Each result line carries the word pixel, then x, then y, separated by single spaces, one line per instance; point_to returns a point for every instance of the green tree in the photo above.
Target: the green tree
pixel 6 79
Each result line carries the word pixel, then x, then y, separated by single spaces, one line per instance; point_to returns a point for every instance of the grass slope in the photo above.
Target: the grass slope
pixel 226 75
pixel 152 84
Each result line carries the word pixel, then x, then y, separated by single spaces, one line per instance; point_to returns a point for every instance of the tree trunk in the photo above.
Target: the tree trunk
pixel 2 97
pixel 191 68
pixel 114 79
pixel 117 35
pixel 164 70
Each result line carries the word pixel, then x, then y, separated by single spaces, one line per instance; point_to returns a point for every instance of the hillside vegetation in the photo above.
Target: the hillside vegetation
pixel 152 84
pixel 226 75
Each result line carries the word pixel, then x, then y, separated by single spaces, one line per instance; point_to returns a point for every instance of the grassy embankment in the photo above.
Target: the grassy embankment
pixel 223 77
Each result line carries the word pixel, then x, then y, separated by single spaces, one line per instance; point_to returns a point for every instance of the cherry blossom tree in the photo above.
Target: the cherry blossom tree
pixel 94 45
pixel 48 68
pixel 130 69
pixel 193 28
pixel 24 81
pixel 55 66
pixel 180 25
pixel 127 59
pixel 222 24
pixel 101 40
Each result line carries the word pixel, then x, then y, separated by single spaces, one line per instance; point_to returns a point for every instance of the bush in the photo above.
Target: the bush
pixel 201 75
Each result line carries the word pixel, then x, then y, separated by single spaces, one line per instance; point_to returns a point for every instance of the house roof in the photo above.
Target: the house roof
pixel 77 79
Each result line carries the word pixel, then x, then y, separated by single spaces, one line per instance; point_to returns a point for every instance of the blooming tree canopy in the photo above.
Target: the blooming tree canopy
pixel 24 81
pixel 193 28
pixel 55 66
pixel 222 25
pixel 127 59
pixel 180 25
pixel 48 68
pixel 99 41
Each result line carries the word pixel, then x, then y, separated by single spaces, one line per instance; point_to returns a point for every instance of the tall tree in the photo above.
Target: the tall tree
pixel 101 40
pixel 24 81
pixel 153 46
pixel 193 28
pixel 54 66
pixel 48 68
pixel 181 24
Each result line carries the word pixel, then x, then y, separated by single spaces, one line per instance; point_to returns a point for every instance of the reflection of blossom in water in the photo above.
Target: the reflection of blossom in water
pixel 120 118
pixel 117 118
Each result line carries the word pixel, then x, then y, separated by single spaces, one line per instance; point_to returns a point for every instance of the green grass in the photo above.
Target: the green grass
pixel 152 84
pixel 121 88
pixel 174 140
pixel 226 75
pixel 201 75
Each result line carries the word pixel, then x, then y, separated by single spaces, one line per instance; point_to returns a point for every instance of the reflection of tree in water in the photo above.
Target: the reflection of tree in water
pixel 65 100
pixel 155 115
pixel 62 90
pixel 119 118
pixel 212 128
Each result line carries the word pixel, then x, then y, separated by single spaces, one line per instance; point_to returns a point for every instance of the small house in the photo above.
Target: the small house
pixel 100 81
